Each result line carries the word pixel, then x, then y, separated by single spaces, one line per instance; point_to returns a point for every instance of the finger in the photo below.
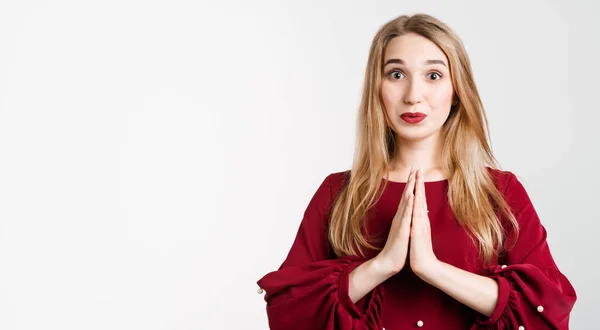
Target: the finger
pixel 406 223
pixel 424 196
pixel 418 196
pixel 407 189
pixel 421 208
pixel 405 195
pixel 412 169
pixel 423 212
pixel 409 198
pixel 421 184
pixel 411 176
pixel 410 185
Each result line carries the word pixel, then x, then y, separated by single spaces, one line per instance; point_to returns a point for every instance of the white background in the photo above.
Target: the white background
pixel 156 156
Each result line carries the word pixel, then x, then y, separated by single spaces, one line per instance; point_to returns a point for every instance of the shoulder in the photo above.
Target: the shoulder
pixel 505 180
pixel 331 186
pixel 338 179
pixel 512 189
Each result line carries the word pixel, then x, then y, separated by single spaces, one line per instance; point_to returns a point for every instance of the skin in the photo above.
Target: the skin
pixel 421 83
pixel 416 85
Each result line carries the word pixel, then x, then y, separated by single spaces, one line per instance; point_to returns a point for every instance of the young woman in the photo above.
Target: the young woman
pixel 424 231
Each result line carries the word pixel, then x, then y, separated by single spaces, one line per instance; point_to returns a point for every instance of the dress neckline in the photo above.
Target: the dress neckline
pixel 436 182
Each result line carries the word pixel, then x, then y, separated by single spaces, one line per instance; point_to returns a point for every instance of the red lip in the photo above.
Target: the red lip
pixel 413 117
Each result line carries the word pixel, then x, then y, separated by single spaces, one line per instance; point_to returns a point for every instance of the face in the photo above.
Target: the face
pixel 416 88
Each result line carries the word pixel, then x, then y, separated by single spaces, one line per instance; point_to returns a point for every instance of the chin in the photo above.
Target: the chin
pixel 415 134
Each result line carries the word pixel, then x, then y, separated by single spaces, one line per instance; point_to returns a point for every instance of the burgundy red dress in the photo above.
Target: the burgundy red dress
pixel 310 289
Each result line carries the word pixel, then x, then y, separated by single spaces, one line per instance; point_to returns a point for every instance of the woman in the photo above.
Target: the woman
pixel 456 244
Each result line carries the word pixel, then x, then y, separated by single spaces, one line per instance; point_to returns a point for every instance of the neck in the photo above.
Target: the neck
pixel 424 154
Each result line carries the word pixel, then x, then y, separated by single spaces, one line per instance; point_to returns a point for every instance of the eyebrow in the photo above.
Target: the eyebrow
pixel 399 61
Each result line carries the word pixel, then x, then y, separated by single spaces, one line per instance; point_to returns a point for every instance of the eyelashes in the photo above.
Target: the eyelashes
pixel 433 75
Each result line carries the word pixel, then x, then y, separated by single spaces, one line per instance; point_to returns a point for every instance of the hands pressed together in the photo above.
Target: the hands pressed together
pixel 410 233
pixel 409 242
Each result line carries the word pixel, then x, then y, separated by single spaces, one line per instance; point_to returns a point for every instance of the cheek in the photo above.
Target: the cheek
pixel 389 96
pixel 444 94
pixel 441 97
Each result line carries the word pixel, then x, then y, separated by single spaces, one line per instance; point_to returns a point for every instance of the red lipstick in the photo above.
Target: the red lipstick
pixel 413 117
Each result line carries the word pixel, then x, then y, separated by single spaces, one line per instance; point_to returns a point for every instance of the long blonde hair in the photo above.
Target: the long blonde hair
pixel 472 193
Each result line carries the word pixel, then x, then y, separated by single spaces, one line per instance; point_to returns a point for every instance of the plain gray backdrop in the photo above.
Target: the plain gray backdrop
pixel 156 157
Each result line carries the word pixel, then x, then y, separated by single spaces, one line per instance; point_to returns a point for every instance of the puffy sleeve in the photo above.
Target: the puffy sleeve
pixel 310 288
pixel 533 293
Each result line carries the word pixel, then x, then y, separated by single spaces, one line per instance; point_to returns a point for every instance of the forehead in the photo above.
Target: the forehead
pixel 413 49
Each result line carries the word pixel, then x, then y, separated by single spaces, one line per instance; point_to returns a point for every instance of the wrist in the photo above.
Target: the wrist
pixel 431 271
pixel 384 267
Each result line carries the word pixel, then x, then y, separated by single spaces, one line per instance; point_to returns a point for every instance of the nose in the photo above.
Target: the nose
pixel 414 93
